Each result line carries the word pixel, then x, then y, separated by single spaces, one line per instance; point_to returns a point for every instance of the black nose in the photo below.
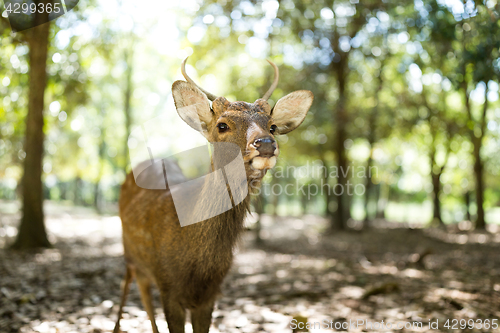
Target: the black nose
pixel 265 146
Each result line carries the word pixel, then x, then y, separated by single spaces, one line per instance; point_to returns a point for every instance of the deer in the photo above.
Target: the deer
pixel 188 264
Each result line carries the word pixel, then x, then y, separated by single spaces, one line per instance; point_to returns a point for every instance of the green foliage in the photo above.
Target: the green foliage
pixel 395 78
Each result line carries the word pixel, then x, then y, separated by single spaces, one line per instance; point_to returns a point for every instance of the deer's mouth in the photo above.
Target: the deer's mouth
pixel 257 165
pixel 263 163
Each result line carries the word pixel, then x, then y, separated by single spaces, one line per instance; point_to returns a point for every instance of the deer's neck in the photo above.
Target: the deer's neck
pixel 215 238
pixel 226 225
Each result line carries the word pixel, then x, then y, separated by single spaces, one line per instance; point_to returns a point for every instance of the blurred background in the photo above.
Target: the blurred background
pixel 408 91
pixel 406 100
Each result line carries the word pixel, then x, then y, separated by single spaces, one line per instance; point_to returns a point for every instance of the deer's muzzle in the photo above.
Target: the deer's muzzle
pixel 265 146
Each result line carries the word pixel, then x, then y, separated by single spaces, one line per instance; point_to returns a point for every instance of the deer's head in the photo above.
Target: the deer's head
pixel 251 126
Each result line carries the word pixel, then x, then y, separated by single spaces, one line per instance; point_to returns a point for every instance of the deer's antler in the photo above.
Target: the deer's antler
pixel 210 96
pixel 275 82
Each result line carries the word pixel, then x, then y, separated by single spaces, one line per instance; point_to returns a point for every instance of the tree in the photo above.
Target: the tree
pixel 441 134
pixel 127 97
pixel 331 35
pixel 470 39
pixel 32 233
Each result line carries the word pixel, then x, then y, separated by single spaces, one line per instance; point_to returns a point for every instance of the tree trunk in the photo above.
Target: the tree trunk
pixel 479 167
pixel 383 200
pixel 32 233
pixel 436 173
pixel 328 192
pixel 368 184
pixel 467 205
pixel 304 202
pixel 372 124
pixel 436 191
pixel 274 198
pixel 127 106
pixel 63 188
pixel 368 190
pixel 260 203
pixel 477 142
pixel 478 174
pixel 101 153
pixel 77 192
pixel 340 216
pixel 95 203
pixel 340 116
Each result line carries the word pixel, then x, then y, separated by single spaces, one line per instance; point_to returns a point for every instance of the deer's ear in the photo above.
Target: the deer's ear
pixel 192 105
pixel 290 111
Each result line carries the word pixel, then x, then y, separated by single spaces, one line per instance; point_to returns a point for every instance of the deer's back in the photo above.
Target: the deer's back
pixel 148 219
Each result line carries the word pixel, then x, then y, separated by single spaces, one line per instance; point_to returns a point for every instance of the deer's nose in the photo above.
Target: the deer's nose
pixel 265 146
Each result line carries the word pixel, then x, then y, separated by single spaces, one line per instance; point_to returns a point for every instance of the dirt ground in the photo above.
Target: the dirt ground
pixel 391 278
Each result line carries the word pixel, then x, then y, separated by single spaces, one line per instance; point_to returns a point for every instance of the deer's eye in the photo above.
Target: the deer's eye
pixel 222 127
pixel 273 129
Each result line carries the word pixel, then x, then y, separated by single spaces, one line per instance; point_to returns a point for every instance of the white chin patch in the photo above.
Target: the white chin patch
pixel 261 163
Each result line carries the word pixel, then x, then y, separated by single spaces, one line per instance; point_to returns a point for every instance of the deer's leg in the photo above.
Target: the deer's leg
pixel 174 313
pixel 201 318
pixel 144 285
pixel 125 289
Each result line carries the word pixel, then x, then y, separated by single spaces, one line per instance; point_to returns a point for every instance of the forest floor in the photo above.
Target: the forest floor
pixel 412 279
